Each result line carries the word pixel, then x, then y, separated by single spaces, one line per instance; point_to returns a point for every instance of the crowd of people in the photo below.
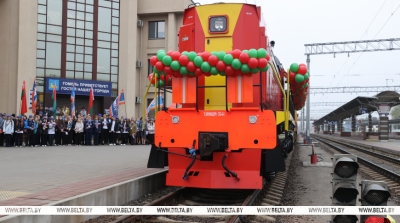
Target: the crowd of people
pixel 64 130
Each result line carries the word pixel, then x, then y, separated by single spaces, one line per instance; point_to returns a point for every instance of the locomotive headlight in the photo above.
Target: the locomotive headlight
pixel 252 119
pixel 175 119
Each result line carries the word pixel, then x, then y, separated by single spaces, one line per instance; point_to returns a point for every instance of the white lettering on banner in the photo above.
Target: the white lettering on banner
pixel 214 113
pixel 198 210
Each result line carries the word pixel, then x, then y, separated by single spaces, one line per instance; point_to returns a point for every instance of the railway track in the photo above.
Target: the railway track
pixel 270 195
pixel 377 165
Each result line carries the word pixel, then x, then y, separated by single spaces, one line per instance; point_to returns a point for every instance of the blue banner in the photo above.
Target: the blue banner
pixel 82 87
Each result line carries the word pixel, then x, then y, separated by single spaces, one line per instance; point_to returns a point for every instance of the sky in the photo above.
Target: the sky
pixel 293 23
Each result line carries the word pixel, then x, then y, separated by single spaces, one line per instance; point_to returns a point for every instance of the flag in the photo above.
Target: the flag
pixel 113 110
pixel 73 101
pixel 34 97
pixel 121 98
pixel 24 108
pixel 91 99
pixel 152 105
pixel 54 97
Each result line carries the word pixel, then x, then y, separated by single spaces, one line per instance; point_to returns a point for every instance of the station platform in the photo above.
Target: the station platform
pixel 392 144
pixel 34 176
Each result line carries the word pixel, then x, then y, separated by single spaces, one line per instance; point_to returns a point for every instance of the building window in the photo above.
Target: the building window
pixel 157 30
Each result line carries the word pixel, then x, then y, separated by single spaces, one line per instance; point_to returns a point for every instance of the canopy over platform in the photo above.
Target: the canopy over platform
pixel 371 104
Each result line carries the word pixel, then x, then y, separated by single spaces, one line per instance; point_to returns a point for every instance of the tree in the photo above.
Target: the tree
pixel 395 112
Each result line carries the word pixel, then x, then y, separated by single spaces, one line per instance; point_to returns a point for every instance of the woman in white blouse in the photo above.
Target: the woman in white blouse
pixel 8 129
pixel 150 128
pixel 79 132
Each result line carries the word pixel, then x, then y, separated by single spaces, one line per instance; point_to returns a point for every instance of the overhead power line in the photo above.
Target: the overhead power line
pixel 353 89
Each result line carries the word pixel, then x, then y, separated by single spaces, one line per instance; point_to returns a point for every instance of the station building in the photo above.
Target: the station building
pixel 106 44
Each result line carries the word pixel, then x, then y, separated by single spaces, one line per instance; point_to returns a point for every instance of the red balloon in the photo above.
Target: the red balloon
pixel 168 70
pixel 302 69
pixel 229 71
pixel 236 53
pixel 150 76
pixel 262 62
pixel 162 77
pixel 238 72
pixel 244 57
pixel 253 63
pixel 176 74
pixel 268 57
pixel 199 54
pixel 153 60
pixel 229 52
pixel 220 65
pixel 176 55
pixel 190 66
pixel 198 72
pixel 170 52
pixel 205 56
pixel 212 60
pixel 207 74
pixel 159 66
pixel 183 60
pixel 292 77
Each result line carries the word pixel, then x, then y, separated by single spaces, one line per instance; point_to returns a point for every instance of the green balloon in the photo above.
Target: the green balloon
pixel 191 74
pixel 213 71
pixel 205 67
pixel 186 53
pixel 236 64
pixel 306 85
pixel 155 70
pixel 228 58
pixel 215 53
pixel 253 53
pixel 265 68
pixel 245 68
pixel 198 61
pixel 222 73
pixel 221 55
pixel 261 53
pixel 299 78
pixel 255 70
pixel 192 55
pixel 306 76
pixel 183 70
pixel 161 55
pixel 160 51
pixel 245 51
pixel 294 67
pixel 175 65
pixel 167 60
pixel 160 83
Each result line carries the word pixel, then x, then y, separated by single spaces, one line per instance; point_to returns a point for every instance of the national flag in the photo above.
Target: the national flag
pixel 91 99
pixel 24 108
pixel 73 101
pixel 152 105
pixel 54 97
pixel 34 97
pixel 121 98
pixel 113 110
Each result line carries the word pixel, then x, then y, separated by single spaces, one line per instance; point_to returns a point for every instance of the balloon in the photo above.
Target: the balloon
pixel 168 70
pixel 229 52
pixel 160 83
pixel 221 55
pixel 161 55
pixel 155 69
pixel 253 63
pixel 261 53
pixel 169 53
pixel 199 54
pixel 198 72
pixel 176 74
pixel 299 78
pixel 236 64
pixel 245 69
pixel 169 81
pixel 207 74
pixel 292 77
pixel 253 53
pixel 262 62
pixel 294 67
pixel 192 55
pixel 244 57
pixel 222 73
pixel 302 69
pixel 236 53
pixel 213 71
pixel 159 66
pixel 228 58
pixel 212 60
pixel 245 51
pixel 205 56
pixel 205 67
pixel 229 71
pixel 255 70
pixel 220 65
pixel 306 76
pixel 198 61
pixel 153 60
pixel 176 55
pixel 238 72
pixel 175 65
pixel 183 60
pixel 186 53
pixel 264 68
pixel 162 77
pixel 215 53
pixel 190 66
pixel 191 74
pixel 267 57
pixel 167 60
pixel 183 71
pixel 150 76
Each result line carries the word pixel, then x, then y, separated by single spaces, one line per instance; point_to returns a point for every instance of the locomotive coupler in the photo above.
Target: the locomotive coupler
pixel 227 169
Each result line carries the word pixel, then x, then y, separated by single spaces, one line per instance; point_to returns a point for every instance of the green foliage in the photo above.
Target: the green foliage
pixel 395 112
